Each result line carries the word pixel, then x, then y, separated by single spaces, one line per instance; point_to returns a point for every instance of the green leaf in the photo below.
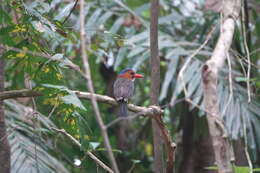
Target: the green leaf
pixel 240 79
pixel 212 168
pixel 4 17
pixel 71 98
pixel 74 100
pixel 136 161
pixel 26 141
pixel 241 169
pixel 94 145
pixel 256 169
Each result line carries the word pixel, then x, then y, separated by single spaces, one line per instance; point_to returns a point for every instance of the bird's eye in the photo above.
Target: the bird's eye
pixel 132 73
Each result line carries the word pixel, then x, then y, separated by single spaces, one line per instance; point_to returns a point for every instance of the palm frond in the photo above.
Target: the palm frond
pixel 29 137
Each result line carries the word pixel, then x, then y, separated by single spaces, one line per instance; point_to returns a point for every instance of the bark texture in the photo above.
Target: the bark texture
pixel 197 146
pixel 210 71
pixel 4 144
pixel 160 132
pixel 155 86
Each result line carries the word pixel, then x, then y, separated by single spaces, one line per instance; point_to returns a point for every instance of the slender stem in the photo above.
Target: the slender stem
pixel 91 89
pixel 91 155
pixel 245 39
pixel 74 6
pixel 44 55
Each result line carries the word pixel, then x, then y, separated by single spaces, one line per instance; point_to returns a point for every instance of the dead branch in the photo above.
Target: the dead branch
pixel 91 155
pixel 90 87
pixel 74 6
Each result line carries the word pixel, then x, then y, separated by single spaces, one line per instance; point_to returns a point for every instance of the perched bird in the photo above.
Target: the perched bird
pixel 124 88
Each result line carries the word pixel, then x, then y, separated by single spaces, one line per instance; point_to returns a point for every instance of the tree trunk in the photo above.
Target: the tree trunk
pixel 188 147
pixel 210 71
pixel 155 86
pixel 4 144
pixel 197 151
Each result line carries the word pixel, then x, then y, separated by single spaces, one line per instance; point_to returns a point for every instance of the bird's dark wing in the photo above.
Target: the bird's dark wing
pixel 123 88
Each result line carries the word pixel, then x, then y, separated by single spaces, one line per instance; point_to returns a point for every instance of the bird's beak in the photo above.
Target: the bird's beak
pixel 138 76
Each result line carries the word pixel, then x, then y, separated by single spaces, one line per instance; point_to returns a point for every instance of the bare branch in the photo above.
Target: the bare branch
pixel 145 111
pixel 150 111
pixel 189 58
pixel 19 93
pixel 74 6
pixel 245 39
pixel 91 155
pixel 90 87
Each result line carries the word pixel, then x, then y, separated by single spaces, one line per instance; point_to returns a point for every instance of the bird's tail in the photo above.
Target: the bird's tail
pixel 123 108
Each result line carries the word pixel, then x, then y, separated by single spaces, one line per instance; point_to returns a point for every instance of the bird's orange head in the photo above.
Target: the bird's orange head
pixel 129 74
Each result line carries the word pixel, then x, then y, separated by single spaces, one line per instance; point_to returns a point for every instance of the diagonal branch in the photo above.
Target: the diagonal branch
pixel 91 155
pixel 46 56
pixel 152 111
pixel 91 88
pixel 74 6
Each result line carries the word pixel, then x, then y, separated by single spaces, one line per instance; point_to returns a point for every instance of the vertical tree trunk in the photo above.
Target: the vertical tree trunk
pixel 4 144
pixel 188 147
pixel 240 154
pixel 155 86
pixel 210 71
pixel 197 151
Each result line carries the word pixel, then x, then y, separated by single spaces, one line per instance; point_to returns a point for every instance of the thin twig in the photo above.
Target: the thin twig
pixel 91 88
pixel 91 155
pixel 230 84
pixel 124 118
pixel 246 145
pixel 35 122
pixel 180 75
pixel 247 53
pixel 74 6
pixel 52 110
pixel 62 60
pixel 248 81
pixel 244 58
pixel 131 168
pixel 120 3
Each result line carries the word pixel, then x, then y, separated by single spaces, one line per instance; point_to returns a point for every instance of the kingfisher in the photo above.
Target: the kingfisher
pixel 124 88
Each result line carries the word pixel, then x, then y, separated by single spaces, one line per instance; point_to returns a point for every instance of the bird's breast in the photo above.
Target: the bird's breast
pixel 123 88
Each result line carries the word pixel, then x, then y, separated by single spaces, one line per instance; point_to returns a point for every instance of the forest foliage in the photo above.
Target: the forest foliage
pixel 41 40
